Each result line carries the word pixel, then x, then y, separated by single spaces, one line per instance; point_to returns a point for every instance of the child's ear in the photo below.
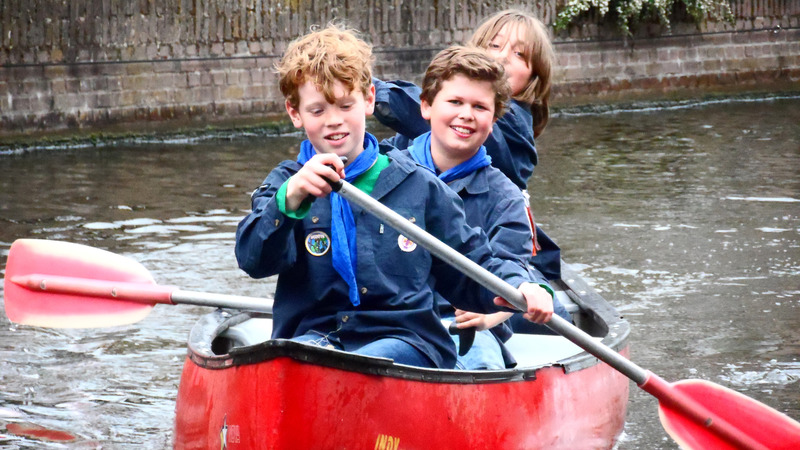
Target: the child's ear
pixel 425 109
pixel 294 115
pixel 370 100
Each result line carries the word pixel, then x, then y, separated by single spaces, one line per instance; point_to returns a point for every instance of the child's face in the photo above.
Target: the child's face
pixel 336 127
pixel 461 116
pixel 508 48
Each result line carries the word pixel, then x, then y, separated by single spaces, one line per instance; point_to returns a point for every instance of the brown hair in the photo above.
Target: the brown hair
pixel 324 56
pixel 472 62
pixel 538 54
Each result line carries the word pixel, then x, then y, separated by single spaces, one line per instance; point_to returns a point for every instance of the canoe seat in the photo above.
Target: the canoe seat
pixel 535 350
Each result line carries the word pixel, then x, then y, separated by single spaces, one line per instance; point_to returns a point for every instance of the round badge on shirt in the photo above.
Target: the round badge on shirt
pixel 405 244
pixel 318 243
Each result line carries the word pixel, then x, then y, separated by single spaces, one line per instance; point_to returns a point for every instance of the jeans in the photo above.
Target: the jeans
pixel 485 353
pixel 396 349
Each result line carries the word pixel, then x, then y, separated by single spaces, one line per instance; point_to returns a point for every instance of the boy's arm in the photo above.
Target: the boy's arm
pixel 397 107
pixel 445 220
pixel 510 233
pixel 265 242
pixel 510 238
pixel 467 319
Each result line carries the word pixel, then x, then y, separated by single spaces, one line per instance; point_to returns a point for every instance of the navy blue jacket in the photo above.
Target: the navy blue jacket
pixel 396 286
pixel 511 146
pixel 494 204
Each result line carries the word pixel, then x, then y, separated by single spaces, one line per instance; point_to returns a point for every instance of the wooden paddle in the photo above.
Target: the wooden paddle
pixel 64 285
pixel 697 414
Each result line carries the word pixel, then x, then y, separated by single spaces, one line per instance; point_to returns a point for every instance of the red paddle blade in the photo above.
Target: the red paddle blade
pixel 61 310
pixel 764 425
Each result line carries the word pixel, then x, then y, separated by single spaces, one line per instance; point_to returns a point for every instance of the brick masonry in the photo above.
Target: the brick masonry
pixel 139 64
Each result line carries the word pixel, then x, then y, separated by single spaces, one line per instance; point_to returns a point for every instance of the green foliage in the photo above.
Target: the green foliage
pixel 628 13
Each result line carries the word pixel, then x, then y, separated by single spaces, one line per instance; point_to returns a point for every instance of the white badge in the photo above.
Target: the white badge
pixel 405 244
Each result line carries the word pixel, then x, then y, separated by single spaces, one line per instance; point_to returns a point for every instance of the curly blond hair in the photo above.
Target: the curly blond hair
pixel 324 56
pixel 539 55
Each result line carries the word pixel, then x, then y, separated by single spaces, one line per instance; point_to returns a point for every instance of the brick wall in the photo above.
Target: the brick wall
pixel 678 66
pixel 100 64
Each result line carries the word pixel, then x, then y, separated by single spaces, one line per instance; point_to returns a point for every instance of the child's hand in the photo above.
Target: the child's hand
pixel 540 303
pixel 312 179
pixel 466 319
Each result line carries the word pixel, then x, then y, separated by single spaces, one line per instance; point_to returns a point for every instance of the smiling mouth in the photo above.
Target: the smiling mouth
pixel 336 137
pixel 462 131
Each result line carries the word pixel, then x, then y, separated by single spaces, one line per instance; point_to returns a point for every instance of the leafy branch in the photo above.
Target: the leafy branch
pixel 629 13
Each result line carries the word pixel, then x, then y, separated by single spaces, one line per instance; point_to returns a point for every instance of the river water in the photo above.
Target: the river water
pixel 687 219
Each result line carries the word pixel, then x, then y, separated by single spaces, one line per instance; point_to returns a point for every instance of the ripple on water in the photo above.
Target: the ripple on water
pixel 772 373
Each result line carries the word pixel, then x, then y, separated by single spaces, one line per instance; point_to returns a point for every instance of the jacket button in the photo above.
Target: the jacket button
pixel 345 318
pixel 363 290
pixel 277 222
pixel 413 220
pixel 314 219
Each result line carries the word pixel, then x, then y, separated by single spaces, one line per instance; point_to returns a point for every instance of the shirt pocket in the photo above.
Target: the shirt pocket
pixel 396 254
pixel 314 243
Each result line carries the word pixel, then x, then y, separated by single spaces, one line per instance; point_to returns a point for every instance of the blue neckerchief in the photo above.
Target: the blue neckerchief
pixel 343 225
pixel 420 150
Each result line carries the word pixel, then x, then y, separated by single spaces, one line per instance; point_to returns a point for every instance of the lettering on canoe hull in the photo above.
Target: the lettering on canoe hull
pixel 228 434
pixel 386 442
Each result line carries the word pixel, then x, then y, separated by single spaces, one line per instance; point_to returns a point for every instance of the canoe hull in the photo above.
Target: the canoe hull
pixel 288 404
pixel 240 389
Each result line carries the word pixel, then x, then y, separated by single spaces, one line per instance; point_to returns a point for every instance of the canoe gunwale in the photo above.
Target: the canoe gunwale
pixel 602 319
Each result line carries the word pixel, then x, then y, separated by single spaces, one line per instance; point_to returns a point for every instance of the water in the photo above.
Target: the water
pixel 687 220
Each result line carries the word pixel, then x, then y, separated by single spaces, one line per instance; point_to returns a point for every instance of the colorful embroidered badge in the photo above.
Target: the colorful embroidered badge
pixel 405 244
pixel 318 243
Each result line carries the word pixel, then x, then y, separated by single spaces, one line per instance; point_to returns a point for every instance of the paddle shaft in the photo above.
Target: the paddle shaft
pixel 643 378
pixel 487 279
pixel 138 292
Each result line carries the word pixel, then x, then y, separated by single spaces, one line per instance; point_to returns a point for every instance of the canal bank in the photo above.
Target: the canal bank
pixel 105 68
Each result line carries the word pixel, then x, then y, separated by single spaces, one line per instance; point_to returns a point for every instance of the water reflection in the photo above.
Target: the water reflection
pixel 687 220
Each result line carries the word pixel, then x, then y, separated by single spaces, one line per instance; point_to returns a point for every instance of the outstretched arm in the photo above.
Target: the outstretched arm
pixel 466 319
pixel 397 107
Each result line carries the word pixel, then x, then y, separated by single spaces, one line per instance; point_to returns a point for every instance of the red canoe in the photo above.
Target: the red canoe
pixel 239 389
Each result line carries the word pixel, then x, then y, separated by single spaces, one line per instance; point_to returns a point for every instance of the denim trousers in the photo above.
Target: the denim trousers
pixel 485 353
pixel 398 350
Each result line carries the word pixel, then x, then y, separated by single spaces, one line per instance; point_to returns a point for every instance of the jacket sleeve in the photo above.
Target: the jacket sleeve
pixel 510 234
pixel 447 222
pixel 397 105
pixel 265 243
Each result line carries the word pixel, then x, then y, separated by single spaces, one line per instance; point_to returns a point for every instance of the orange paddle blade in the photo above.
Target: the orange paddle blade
pixel 762 424
pixel 39 307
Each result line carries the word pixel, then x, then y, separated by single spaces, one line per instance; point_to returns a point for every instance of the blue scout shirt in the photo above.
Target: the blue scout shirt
pixel 396 278
pixel 511 146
